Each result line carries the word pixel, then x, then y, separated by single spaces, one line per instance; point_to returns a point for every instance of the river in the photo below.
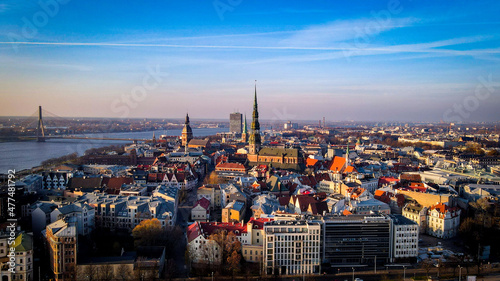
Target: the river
pixel 28 154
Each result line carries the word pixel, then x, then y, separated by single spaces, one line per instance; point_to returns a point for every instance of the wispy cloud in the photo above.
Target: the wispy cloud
pixel 4 8
pixel 343 30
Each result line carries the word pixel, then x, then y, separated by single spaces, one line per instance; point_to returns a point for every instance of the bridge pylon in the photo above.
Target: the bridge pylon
pixel 40 129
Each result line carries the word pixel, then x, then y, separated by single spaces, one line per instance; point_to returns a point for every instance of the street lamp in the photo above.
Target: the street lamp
pixel 404 272
pixel 459 273
pixel 212 276
pixel 353 274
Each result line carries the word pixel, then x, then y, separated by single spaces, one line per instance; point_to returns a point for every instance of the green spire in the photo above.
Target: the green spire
pixel 245 125
pixel 255 128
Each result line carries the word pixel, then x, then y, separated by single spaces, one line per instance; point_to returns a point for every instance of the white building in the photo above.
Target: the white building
pixel 126 212
pixel 292 247
pixel 84 214
pixel 404 237
pixel 40 216
pixel 443 221
pixel 201 210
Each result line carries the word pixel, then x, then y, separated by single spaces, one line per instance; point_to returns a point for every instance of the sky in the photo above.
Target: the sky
pixel 343 60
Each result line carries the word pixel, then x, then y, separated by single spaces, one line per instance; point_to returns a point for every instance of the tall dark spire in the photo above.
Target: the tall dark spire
pixel 254 140
pixel 244 134
pixel 187 133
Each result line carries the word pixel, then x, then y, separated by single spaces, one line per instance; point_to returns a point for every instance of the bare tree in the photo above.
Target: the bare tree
pixel 87 272
pixel 106 272
pixel 123 272
pixel 427 265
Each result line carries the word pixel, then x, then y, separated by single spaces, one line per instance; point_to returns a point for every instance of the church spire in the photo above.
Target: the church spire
pixel 254 140
pixel 187 133
pixel 245 130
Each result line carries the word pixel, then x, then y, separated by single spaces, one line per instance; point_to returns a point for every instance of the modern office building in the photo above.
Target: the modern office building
pixel 292 247
pixel 235 123
pixel 404 237
pixel 356 240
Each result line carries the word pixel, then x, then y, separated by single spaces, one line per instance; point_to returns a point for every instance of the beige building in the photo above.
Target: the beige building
pixel 292 248
pixel 211 192
pixel 62 243
pixel 23 245
pixel 416 213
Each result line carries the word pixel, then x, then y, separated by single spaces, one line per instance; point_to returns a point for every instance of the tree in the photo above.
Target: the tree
pixel 427 265
pixel 106 272
pixel 87 272
pixel 230 249
pixel 493 152
pixel 233 261
pixel 147 232
pixel 123 272
pixel 213 178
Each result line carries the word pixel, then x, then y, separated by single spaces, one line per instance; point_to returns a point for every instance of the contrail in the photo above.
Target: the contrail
pixel 172 46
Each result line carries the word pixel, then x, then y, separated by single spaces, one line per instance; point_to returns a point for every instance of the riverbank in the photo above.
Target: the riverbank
pixel 21 155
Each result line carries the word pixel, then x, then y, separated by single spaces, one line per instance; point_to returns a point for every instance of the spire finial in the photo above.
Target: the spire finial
pixel 255 96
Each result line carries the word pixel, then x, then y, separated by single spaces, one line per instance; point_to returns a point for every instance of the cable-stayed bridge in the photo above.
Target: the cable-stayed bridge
pixel 35 123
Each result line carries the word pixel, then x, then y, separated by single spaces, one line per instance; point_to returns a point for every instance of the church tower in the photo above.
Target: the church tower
pixel 254 139
pixel 245 131
pixel 187 133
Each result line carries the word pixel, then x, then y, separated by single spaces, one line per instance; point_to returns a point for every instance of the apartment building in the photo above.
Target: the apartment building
pixel 292 247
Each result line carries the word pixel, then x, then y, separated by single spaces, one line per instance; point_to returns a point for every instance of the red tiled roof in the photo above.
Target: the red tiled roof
pixel 228 165
pixel 203 202
pixel 400 199
pixel 322 176
pixel 350 169
pixel 258 223
pixel 387 180
pixel 193 231
pixel 116 183
pixel 357 192
pixel 311 162
pixel 417 186
pixel 307 180
pixel 284 200
pixel 318 208
pixel 346 213
pixel 303 201
pixel 337 164
pixel 209 228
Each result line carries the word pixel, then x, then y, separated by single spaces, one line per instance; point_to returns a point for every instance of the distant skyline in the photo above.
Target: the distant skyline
pixel 351 60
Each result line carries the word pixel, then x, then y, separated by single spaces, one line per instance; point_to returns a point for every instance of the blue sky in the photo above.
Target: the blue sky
pixel 345 60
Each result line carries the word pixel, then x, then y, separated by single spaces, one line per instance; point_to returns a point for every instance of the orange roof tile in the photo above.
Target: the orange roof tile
pixel 311 162
pixel 350 169
pixel 337 164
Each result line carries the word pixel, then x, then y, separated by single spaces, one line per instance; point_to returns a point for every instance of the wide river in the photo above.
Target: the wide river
pixel 28 154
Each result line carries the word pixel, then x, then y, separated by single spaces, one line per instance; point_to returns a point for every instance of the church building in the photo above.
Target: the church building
pixel 281 158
